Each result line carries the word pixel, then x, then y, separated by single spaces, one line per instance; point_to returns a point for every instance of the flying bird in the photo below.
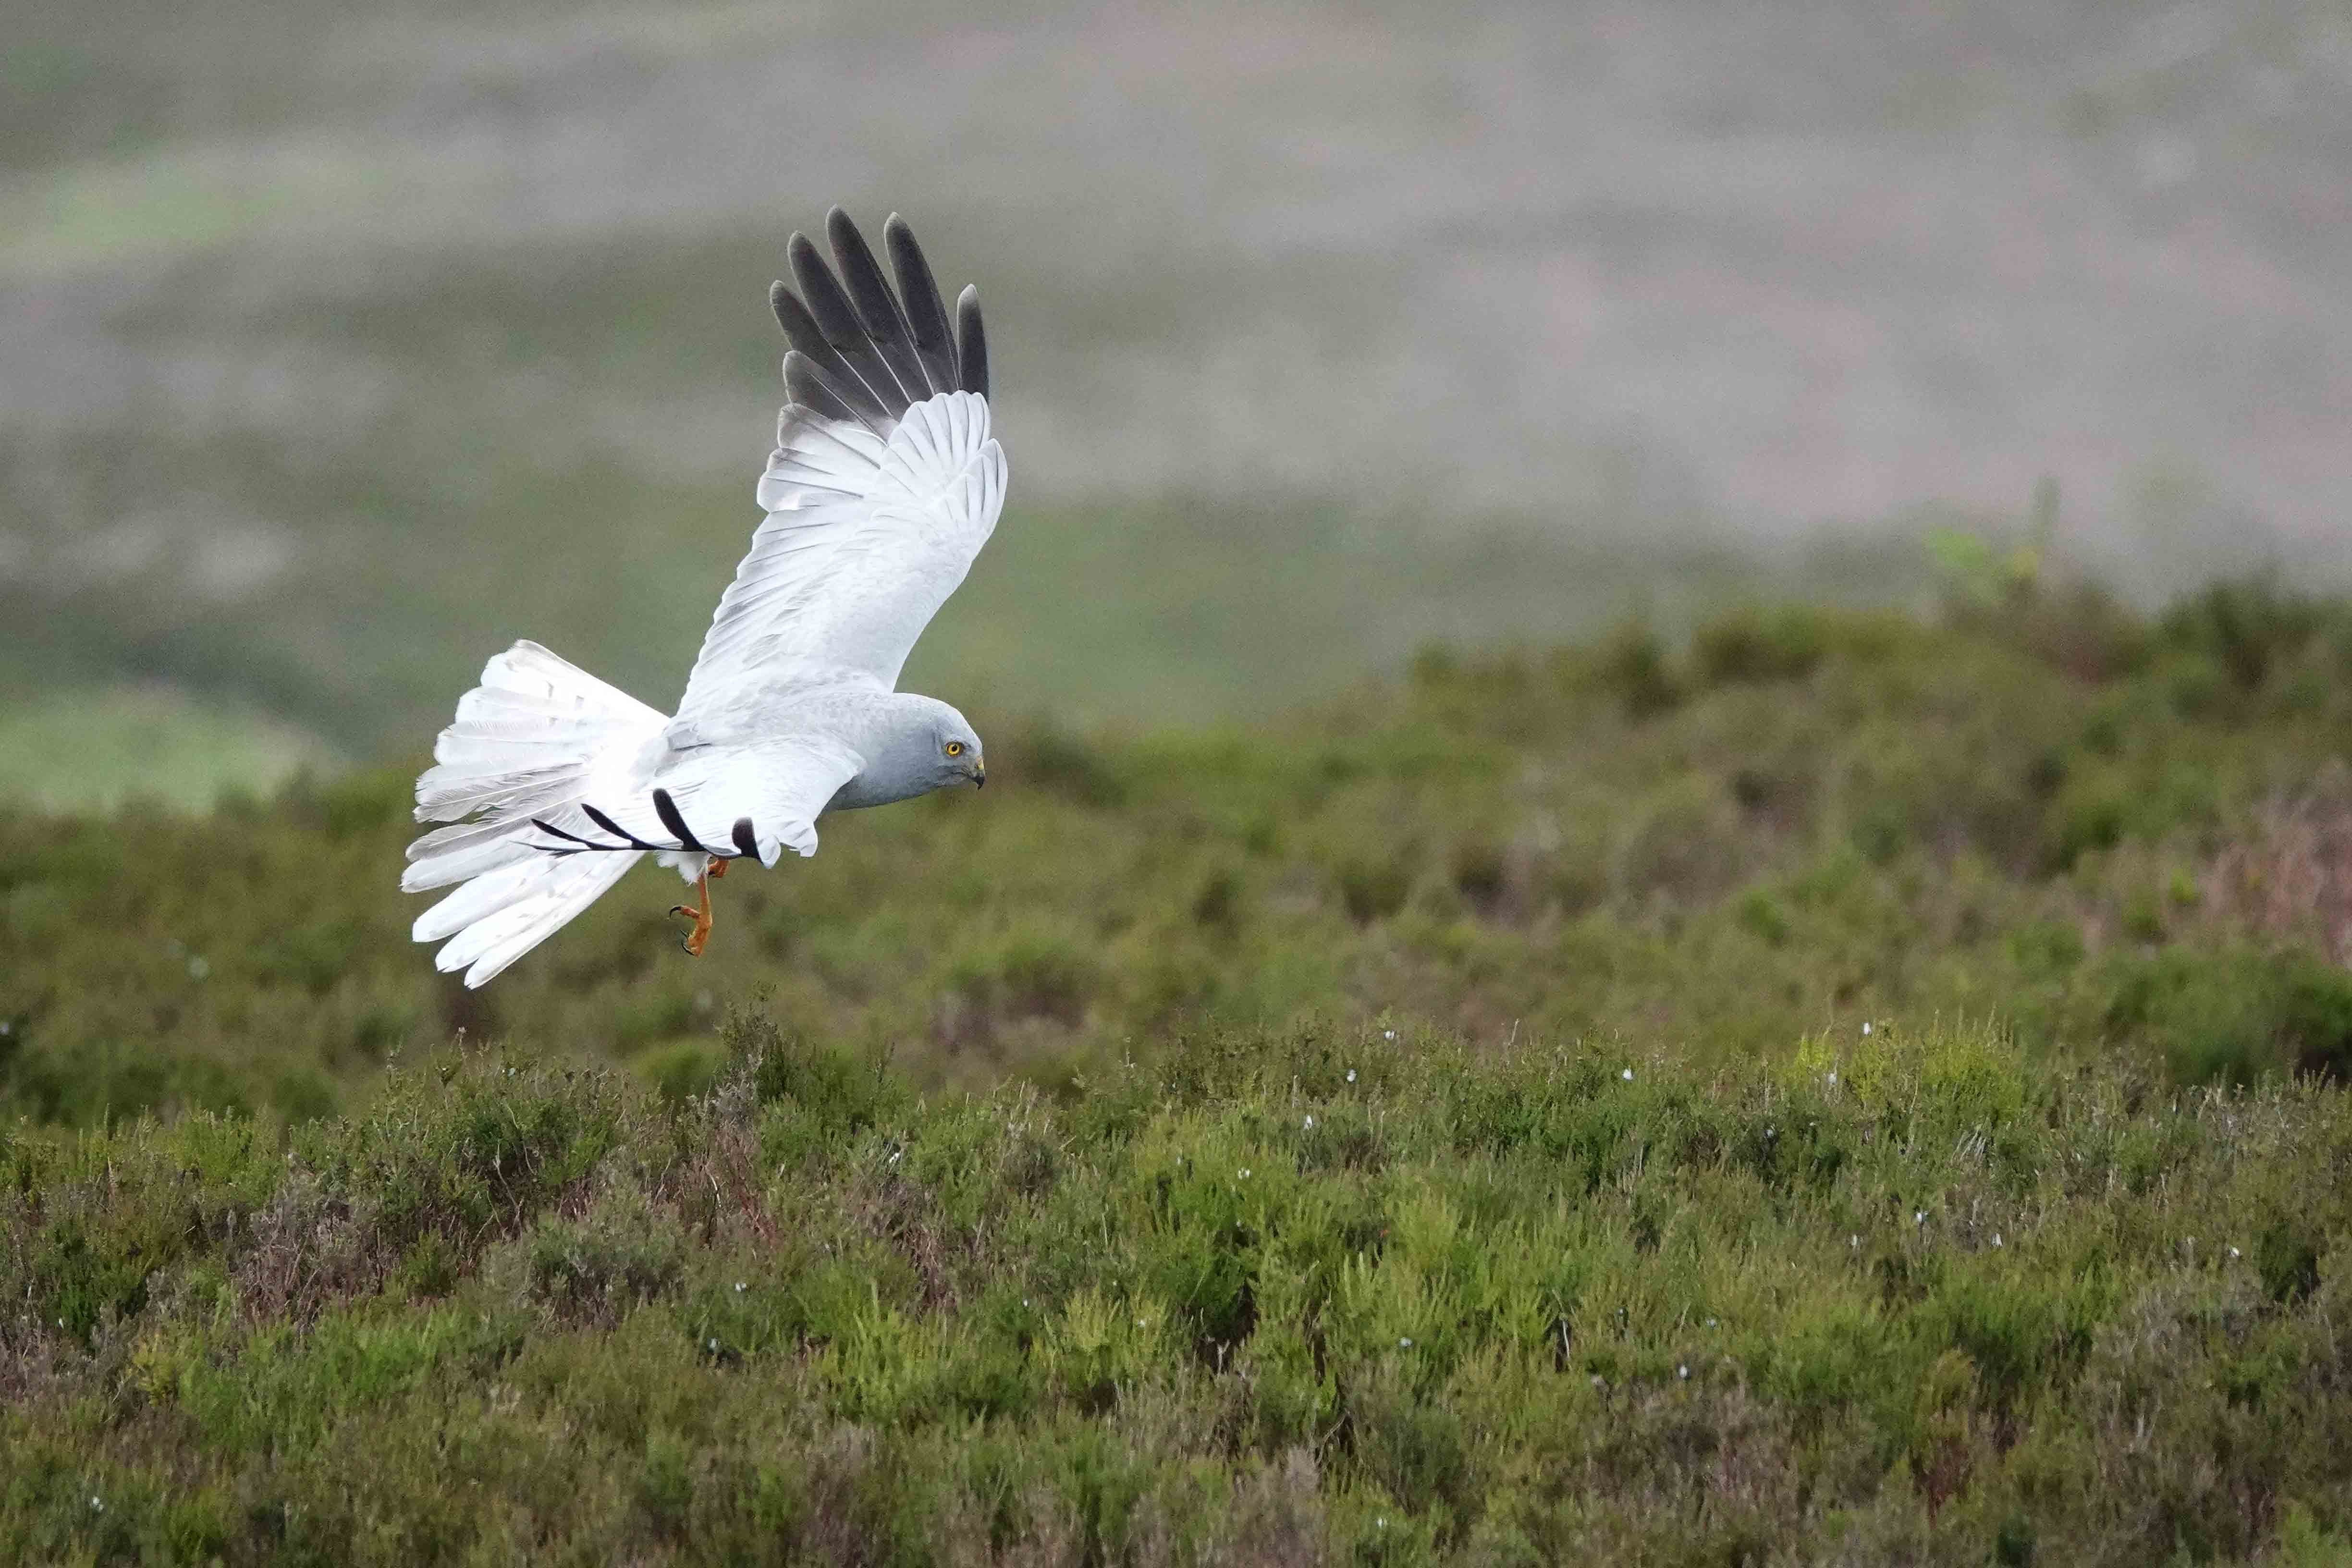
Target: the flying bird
pixel 884 484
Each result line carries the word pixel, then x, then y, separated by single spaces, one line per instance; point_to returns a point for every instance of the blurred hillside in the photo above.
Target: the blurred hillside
pixel 344 344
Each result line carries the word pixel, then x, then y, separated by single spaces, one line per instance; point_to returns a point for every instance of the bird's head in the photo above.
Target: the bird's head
pixel 958 758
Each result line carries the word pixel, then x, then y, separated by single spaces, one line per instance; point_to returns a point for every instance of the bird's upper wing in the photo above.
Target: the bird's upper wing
pixel 883 484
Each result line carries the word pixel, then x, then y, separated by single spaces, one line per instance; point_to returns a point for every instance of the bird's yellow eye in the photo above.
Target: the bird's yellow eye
pixel 955 748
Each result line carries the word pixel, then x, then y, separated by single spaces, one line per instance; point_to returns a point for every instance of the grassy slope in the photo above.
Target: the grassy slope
pixel 763 1296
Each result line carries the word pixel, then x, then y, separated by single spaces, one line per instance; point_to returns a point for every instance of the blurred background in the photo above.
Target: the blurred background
pixel 343 343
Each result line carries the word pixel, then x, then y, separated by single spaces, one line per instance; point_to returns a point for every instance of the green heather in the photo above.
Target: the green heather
pixel 1846 1089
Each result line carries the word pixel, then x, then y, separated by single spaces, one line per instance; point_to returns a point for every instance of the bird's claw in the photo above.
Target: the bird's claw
pixel 691 944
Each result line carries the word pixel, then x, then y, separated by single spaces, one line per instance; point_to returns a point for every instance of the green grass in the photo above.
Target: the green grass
pixel 1849 1087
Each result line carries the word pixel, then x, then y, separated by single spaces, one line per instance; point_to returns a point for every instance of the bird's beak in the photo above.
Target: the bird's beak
pixel 980 776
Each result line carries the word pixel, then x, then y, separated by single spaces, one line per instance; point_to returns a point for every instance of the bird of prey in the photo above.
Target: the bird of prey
pixel 884 484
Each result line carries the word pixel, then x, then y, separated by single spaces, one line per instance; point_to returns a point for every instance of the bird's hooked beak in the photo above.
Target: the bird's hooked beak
pixel 980 776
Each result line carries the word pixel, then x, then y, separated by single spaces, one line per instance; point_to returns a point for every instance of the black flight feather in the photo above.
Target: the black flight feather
pixel 972 344
pixel 673 820
pixel 808 340
pixel 863 351
pixel 837 319
pixel 617 831
pixel 927 317
pixel 878 308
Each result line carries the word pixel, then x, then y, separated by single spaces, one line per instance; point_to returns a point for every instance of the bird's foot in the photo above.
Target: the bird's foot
pixel 693 941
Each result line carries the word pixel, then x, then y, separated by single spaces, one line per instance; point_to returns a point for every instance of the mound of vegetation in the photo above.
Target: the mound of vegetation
pixel 1319 1294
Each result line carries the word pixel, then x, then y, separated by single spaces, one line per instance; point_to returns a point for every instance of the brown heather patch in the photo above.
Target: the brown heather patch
pixel 2289 879
pixel 306 1249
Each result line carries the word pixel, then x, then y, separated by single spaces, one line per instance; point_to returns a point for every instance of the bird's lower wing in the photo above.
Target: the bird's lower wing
pixel 747 799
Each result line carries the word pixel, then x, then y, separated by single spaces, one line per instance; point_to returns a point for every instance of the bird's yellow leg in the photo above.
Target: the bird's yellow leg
pixel 694 940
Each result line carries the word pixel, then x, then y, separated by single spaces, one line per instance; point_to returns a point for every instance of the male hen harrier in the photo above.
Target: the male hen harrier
pixel 883 486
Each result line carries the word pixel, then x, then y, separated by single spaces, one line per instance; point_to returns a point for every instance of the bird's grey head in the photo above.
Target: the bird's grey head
pixel 928 746
pixel 957 754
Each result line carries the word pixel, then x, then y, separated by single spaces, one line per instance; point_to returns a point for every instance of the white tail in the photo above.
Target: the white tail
pixel 535 739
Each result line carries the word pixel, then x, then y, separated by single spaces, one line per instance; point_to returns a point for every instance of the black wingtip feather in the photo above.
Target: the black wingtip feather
pixel 672 818
pixel 808 340
pixel 919 294
pixel 821 292
pixel 878 308
pixel 866 352
pixel 744 840
pixel 799 329
pixel 971 343
pixel 837 319
pixel 616 829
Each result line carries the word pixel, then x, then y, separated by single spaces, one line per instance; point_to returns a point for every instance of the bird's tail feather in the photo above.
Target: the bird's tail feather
pixel 527 745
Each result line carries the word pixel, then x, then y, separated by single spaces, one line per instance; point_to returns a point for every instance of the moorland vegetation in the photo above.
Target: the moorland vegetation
pixel 1853 1087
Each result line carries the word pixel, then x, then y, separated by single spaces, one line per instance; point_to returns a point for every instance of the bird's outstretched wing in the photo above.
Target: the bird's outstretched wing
pixel 884 484
pixel 755 798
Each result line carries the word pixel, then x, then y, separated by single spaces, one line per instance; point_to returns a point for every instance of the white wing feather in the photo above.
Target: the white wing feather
pixel 864 541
